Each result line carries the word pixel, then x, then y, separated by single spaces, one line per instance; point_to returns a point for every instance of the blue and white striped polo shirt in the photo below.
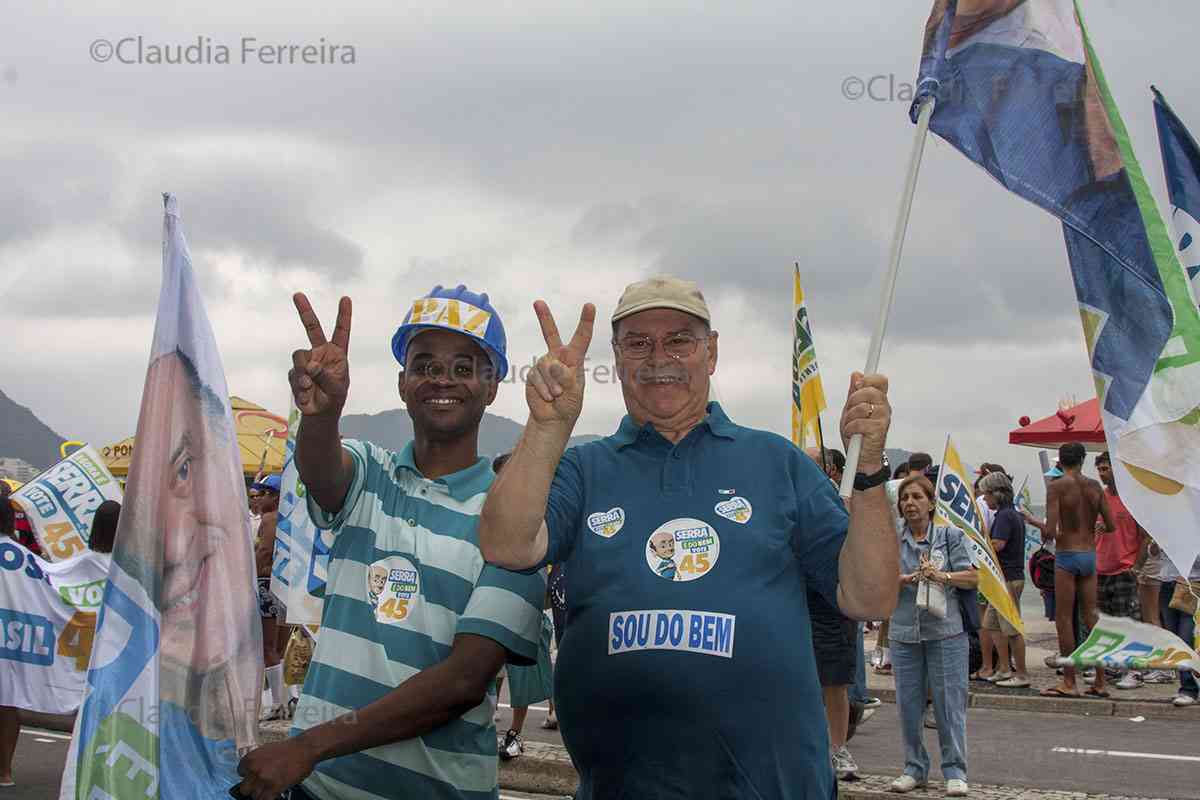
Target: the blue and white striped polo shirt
pixel 406 576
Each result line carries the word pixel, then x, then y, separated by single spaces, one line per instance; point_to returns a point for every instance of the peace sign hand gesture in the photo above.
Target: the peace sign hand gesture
pixel 554 390
pixel 320 377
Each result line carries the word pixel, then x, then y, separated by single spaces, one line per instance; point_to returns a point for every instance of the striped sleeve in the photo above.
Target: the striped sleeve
pixel 359 452
pixel 507 608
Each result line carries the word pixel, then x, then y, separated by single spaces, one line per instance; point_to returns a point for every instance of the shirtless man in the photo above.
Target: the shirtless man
pixel 1073 503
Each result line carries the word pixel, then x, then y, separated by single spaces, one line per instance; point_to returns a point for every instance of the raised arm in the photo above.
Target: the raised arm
pixel 870 558
pixel 320 380
pixel 512 527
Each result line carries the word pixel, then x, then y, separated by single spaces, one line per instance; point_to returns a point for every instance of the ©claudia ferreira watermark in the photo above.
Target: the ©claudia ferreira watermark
pixel 246 51
pixel 889 88
pixel 593 373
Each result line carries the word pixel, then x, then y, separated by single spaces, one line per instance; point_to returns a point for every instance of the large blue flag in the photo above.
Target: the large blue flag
pixel 175 680
pixel 1020 92
pixel 1181 162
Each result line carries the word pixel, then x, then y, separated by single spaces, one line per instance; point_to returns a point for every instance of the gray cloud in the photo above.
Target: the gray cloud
pixel 552 150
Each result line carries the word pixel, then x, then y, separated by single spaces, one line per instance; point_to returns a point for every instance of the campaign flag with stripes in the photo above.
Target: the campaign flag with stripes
pixel 1019 91
pixel 175 679
pixel 1181 163
pixel 808 395
pixel 955 507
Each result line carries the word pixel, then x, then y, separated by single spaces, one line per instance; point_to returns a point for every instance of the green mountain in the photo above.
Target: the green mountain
pixel 24 436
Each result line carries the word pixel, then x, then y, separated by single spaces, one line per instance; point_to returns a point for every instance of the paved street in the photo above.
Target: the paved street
pixel 1156 758
pixel 1162 758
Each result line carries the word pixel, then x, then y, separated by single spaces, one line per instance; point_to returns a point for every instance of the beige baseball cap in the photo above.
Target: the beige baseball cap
pixel 662 291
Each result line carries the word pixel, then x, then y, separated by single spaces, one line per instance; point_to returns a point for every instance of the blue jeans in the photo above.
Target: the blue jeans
pixel 858 689
pixel 941 665
pixel 1182 626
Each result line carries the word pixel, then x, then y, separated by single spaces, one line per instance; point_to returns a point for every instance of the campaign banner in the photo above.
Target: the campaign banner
pixel 281 559
pixel 61 502
pixel 956 507
pixel 1125 644
pixel 175 682
pixel 301 561
pixel 47 623
pixel 299 569
pixel 808 395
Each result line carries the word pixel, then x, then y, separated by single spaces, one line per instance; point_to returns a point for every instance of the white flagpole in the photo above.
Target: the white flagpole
pixel 889 283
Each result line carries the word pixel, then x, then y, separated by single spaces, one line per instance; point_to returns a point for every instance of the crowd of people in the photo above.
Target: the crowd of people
pixel 710 565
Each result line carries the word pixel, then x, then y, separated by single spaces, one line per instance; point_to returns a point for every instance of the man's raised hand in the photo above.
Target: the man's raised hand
pixel 554 389
pixel 320 376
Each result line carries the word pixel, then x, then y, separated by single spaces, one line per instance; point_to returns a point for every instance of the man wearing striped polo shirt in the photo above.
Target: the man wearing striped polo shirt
pixel 415 625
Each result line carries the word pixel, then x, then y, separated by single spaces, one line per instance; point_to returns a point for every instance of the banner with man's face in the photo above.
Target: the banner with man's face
pixel 175 680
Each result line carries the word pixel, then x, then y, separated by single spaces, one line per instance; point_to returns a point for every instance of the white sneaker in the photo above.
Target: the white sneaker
pixel 930 719
pixel 513 746
pixel 1130 680
pixel 1183 701
pixel 905 784
pixel 843 765
pixel 1160 676
pixel 957 787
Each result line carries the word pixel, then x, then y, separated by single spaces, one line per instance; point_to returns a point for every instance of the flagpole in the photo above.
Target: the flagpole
pixel 889 283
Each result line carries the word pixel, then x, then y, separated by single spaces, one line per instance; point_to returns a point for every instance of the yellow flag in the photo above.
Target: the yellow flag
pixel 808 396
pixel 956 507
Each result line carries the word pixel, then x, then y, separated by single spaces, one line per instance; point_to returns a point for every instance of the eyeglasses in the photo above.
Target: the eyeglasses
pixel 676 345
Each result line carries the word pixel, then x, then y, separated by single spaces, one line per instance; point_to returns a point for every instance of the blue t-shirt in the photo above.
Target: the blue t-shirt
pixel 687 667
pixel 1008 526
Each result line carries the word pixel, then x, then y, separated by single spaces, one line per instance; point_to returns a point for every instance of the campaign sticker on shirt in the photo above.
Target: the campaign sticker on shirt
pixel 938 559
pixel 393 589
pixel 703 632
pixel 683 549
pixel 606 523
pixel 737 509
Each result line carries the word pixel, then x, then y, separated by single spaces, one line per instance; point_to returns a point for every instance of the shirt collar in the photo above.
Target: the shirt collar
pixel 908 535
pixel 461 485
pixel 717 423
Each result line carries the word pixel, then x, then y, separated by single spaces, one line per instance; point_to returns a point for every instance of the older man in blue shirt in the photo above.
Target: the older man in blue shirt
pixel 694 679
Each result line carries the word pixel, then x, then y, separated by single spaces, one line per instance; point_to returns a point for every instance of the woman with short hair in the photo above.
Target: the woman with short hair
pixel 928 650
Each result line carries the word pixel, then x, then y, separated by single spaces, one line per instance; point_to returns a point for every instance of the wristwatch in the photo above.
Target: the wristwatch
pixel 862 481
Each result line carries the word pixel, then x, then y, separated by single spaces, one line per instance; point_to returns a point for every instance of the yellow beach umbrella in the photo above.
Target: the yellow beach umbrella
pixel 261 435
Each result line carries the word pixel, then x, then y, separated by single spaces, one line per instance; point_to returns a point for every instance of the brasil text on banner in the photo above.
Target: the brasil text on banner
pixel 808 395
pixel 957 508
pixel 175 681
pixel 61 502
pixel 1019 91
pixel 47 623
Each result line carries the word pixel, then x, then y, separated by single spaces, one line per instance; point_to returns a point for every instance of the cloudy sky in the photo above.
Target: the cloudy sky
pixel 534 149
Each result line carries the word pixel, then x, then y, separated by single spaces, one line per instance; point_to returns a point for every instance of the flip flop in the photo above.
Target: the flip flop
pixel 1099 693
pixel 1054 691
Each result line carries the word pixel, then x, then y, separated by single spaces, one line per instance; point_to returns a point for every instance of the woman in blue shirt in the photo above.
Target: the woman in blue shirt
pixel 928 650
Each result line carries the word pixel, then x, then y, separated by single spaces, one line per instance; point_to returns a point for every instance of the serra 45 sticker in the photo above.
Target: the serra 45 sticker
pixel 393 589
pixel 683 549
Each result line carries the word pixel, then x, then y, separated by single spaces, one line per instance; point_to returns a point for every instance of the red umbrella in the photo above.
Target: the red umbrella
pixel 1079 423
